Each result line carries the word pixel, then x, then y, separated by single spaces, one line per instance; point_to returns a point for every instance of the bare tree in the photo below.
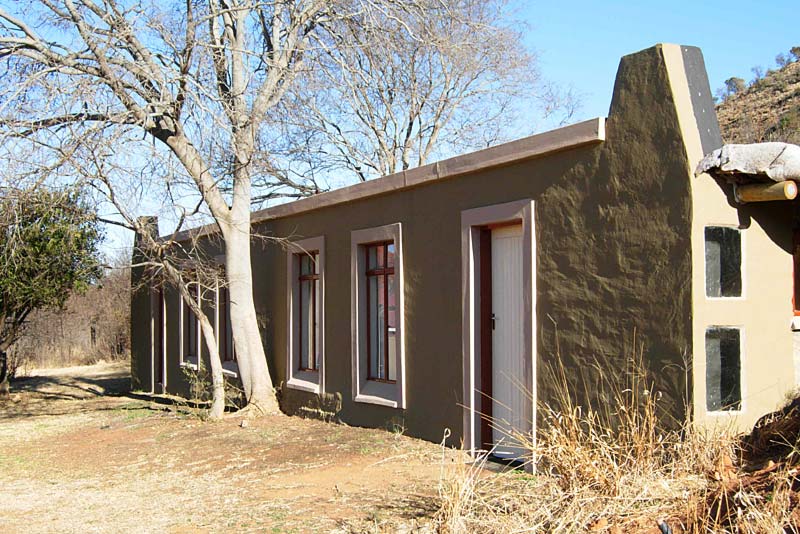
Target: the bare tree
pixel 198 78
pixel 181 265
pixel 389 95
pixel 189 94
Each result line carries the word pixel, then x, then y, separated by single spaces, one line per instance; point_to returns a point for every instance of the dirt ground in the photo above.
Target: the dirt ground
pixel 79 453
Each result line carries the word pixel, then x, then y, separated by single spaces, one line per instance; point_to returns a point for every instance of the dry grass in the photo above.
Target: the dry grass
pixel 619 470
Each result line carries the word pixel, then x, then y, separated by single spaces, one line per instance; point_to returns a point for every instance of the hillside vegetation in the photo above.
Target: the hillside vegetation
pixel 768 109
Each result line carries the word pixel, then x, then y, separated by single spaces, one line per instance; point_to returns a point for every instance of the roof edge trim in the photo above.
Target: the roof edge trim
pixel 569 137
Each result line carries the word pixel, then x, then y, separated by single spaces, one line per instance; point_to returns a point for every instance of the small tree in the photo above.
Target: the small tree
pixel 795 52
pixel 48 248
pixel 758 73
pixel 734 85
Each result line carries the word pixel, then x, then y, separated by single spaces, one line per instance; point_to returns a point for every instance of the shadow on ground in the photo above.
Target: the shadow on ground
pixel 60 392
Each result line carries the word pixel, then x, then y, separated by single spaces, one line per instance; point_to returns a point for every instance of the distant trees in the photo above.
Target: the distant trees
pixel 734 85
pixel 92 325
pixel 48 248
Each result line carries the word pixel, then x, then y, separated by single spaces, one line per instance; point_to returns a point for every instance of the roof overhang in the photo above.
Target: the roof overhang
pixel 584 133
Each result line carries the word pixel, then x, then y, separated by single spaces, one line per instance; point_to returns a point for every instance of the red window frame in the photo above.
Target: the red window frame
pixel 309 277
pixel 382 271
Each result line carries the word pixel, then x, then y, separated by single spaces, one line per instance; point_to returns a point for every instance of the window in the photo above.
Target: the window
pixel 227 350
pixel 224 330
pixel 723 369
pixel 190 329
pixel 308 286
pixel 377 316
pixel 796 257
pixel 723 262
pixel 305 305
pixel 158 330
pixel 381 323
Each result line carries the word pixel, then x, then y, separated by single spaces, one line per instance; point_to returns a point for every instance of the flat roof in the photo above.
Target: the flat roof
pixel 569 137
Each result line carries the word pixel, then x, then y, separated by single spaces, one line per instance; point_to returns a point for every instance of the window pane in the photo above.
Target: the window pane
pixel 308 263
pixel 723 369
pixel 797 270
pixel 390 255
pixel 723 262
pixel 315 318
pixel 392 326
pixel 189 332
pixel 381 322
pixel 222 313
pixel 372 258
pixel 306 325
pixel 376 327
pixel 229 355
pixel 226 333
pixel 392 302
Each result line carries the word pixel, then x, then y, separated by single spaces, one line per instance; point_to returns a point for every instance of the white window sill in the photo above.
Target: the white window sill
pixel 379 393
pixel 230 369
pixel 304 381
pixel 190 362
pixel 724 413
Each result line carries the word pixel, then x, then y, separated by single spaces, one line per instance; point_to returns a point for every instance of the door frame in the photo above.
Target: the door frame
pixel 473 223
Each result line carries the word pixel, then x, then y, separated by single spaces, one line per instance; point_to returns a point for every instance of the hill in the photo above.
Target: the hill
pixel 766 110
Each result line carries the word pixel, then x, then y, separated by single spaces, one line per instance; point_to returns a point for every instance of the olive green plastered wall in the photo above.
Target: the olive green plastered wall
pixel 431 223
pixel 140 331
pixel 614 249
pixel 613 256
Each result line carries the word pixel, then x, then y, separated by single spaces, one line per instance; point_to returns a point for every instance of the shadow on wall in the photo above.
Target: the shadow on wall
pixel 773 217
pixel 325 406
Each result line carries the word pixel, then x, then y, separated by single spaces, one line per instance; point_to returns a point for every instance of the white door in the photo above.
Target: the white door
pixel 511 403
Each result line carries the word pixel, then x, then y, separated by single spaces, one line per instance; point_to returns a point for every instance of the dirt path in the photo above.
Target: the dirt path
pixel 80 454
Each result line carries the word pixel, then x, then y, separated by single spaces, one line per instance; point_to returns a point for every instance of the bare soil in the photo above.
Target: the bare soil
pixel 80 453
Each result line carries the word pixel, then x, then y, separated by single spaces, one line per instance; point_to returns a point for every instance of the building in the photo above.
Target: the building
pixel 445 292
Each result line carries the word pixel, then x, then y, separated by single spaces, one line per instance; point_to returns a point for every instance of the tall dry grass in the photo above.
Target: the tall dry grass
pixel 614 468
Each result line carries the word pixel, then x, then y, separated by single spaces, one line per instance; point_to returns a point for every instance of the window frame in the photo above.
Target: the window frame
pixel 309 380
pixel 230 367
pixel 366 390
pixel 380 273
pixel 158 336
pixel 191 361
pixel 741 233
pixel 796 275
pixel 742 381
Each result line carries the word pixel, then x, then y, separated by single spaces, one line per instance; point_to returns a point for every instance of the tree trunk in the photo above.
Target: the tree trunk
pixel 4 384
pixel 250 355
pixel 217 380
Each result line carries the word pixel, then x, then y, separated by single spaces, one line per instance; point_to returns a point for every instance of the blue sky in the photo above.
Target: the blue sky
pixel 579 43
